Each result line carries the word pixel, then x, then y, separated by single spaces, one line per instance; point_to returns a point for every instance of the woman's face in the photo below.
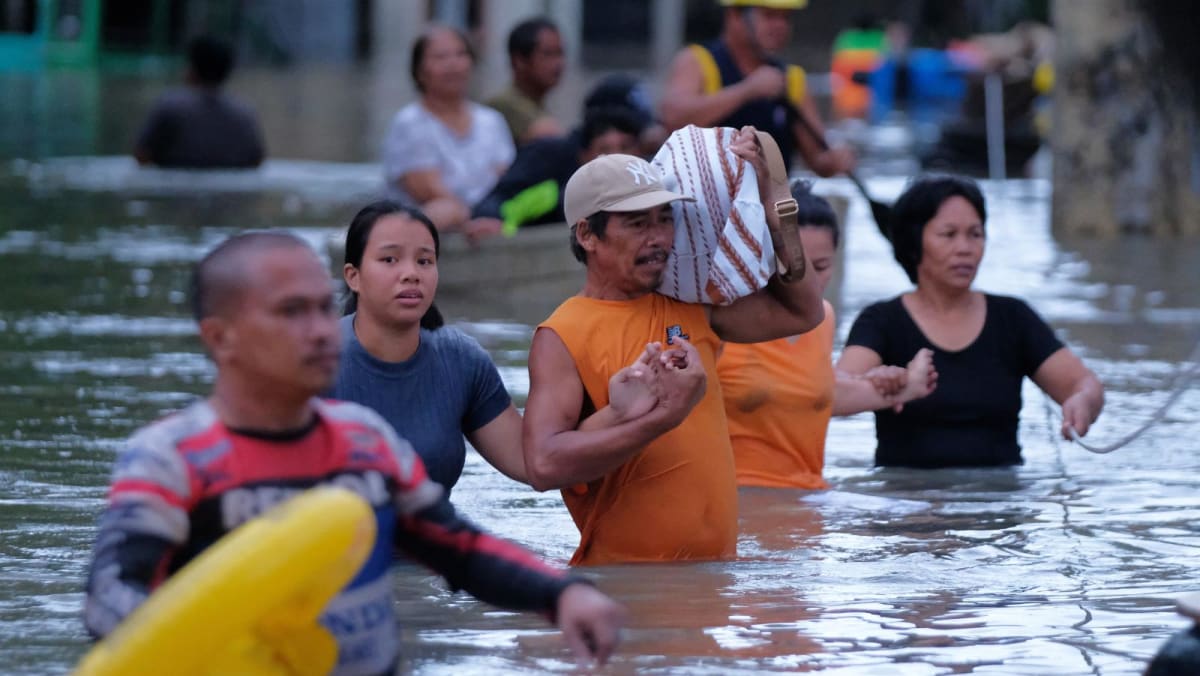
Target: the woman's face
pixel 398 276
pixel 445 68
pixel 821 253
pixel 952 245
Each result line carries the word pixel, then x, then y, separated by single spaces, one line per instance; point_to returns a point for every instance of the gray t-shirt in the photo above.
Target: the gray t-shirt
pixel 201 129
pixel 448 388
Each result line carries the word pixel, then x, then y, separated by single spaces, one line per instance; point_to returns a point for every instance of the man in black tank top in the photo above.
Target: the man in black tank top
pixel 738 80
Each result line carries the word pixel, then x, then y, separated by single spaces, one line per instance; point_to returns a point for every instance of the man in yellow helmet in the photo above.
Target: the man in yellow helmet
pixel 737 80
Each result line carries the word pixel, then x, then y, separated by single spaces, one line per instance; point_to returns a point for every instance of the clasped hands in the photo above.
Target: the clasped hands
pixel 664 383
pixel 900 385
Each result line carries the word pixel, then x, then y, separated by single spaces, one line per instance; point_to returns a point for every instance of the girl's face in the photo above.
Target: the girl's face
pixel 445 68
pixel 398 276
pixel 821 252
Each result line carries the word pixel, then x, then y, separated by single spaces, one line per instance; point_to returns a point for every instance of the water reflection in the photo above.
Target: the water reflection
pixel 1069 564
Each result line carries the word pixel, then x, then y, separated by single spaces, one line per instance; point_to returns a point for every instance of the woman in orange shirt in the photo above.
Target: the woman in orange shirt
pixel 780 395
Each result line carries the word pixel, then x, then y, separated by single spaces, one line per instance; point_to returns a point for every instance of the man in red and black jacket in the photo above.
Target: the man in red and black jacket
pixel 268 319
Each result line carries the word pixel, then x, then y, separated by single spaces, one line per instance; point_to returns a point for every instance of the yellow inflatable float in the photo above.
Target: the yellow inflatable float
pixel 249 604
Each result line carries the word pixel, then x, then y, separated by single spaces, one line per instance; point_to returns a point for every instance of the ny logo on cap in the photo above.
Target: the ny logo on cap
pixel 640 169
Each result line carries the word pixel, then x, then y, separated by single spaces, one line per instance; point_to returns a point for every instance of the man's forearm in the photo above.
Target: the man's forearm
pixel 599 446
pixel 490 569
pixel 702 110
pixel 800 297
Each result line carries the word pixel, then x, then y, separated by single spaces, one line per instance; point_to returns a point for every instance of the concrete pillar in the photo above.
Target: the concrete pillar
pixel 568 14
pixel 566 100
pixel 451 12
pixel 499 17
pixel 667 23
pixel 1124 129
pixel 396 26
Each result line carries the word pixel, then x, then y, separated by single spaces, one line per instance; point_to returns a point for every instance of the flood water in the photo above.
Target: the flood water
pixel 1069 564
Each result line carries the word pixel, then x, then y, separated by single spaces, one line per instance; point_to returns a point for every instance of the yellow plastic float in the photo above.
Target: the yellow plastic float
pixel 249 604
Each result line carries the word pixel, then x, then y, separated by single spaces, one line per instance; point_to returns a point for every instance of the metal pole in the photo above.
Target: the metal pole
pixel 667 21
pixel 451 12
pixel 993 94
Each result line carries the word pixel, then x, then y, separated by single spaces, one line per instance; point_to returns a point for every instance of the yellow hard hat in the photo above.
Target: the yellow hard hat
pixel 769 4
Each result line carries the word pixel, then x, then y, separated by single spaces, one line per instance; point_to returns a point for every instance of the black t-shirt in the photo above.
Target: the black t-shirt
pixel 201 129
pixel 540 160
pixel 970 420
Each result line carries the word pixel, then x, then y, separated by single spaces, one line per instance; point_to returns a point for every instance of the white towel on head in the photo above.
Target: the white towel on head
pixel 722 249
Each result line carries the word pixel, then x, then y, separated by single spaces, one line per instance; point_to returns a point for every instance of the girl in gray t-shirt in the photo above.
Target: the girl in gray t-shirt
pixel 433 383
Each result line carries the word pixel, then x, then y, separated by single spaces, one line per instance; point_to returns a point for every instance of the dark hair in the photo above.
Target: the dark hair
pixel 359 233
pixel 625 92
pixel 600 121
pixel 219 275
pixel 418 49
pixel 522 40
pixel 814 211
pixel 918 205
pixel 211 59
pixel 598 224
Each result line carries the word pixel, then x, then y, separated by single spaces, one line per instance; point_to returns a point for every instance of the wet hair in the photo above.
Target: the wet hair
pixel 523 39
pixel 600 121
pixel 814 211
pixel 359 233
pixel 598 224
pixel 220 276
pixel 418 50
pixel 211 59
pixel 918 205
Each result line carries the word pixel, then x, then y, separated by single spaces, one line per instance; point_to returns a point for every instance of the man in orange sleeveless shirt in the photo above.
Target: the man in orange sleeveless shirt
pixel 655 484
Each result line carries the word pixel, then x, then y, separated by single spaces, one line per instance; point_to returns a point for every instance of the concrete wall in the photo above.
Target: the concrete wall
pixel 1124 135
pixel 304 30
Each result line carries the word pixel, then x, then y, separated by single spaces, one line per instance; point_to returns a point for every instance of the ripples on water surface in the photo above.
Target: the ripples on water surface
pixel 1067 565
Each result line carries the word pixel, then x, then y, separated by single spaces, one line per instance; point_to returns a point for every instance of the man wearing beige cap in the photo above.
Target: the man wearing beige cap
pixel 655 484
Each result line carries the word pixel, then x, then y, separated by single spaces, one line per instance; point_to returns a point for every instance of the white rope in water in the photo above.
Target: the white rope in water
pixel 1181 381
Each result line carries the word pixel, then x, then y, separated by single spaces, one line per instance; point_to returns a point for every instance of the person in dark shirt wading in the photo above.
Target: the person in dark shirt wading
pixel 199 126
pixel 984 345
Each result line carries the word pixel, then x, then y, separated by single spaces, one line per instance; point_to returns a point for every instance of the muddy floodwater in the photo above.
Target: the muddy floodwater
pixel 1069 564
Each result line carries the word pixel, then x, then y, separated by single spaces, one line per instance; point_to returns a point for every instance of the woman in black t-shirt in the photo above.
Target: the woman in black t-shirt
pixel 984 345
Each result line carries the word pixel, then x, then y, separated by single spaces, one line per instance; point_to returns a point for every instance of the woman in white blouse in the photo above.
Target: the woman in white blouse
pixel 445 152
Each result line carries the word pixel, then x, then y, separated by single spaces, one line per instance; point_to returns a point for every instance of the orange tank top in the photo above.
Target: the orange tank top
pixel 677 498
pixel 778 399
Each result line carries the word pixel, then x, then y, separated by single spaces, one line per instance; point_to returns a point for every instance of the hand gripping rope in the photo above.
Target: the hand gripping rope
pixel 1182 379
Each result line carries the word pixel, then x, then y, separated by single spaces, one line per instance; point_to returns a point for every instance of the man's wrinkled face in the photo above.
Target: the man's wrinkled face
pixel 633 253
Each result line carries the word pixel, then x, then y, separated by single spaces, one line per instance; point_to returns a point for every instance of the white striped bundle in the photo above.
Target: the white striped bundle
pixel 722 248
